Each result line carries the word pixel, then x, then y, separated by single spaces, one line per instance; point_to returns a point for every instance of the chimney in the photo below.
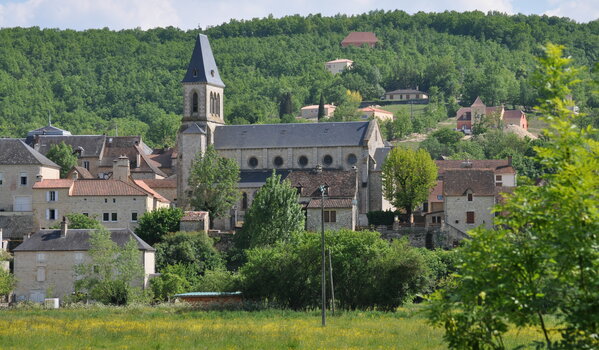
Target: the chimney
pixel 64 226
pixel 318 169
pixel 120 168
pixel 75 175
pixel 39 178
pixel 509 160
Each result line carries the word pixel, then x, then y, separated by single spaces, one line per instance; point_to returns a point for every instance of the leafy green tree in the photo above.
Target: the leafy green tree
pixel 408 177
pixel 153 226
pixel 274 214
pixel 114 273
pixel 348 109
pixel 62 154
pixel 213 181
pixel 542 259
pixel 7 280
pixel 80 221
pixel 193 249
pixel 172 280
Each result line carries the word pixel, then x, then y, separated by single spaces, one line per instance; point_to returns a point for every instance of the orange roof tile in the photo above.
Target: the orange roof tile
pixel 105 188
pixel 54 183
pixel 147 188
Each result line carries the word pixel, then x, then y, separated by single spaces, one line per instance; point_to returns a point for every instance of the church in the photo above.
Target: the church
pixel 357 148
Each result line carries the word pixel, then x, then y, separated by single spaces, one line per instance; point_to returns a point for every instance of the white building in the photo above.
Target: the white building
pixel 339 65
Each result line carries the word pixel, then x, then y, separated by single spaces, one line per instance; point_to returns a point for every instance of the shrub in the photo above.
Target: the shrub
pixel 194 249
pixel 154 225
pixel 380 217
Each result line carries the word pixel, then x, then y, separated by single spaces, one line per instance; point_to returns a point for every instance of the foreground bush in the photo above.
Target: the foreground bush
pixel 368 272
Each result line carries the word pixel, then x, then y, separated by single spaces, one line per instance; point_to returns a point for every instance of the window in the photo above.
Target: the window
pixel 469 197
pixel 425 206
pixel 195 72
pixel 330 216
pixel 352 159
pixel 51 214
pixel 194 103
pixel 278 161
pixel 51 196
pixel 211 103
pixel 113 217
pixel 498 180
pixel 440 197
pixel 41 258
pixel 469 217
pixel 217 105
pixel 86 164
pixel 86 214
pixel 105 200
pixel 105 217
pixel 1 178
pixel 253 162
pixel 114 200
pixel 134 216
pixel 303 161
pixel 41 274
pixel 327 160
pixel 23 179
pixel 244 201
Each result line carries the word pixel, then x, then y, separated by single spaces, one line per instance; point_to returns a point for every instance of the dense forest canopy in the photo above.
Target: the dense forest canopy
pixel 102 81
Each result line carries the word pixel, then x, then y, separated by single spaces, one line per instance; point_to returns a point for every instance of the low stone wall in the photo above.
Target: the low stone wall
pixel 421 237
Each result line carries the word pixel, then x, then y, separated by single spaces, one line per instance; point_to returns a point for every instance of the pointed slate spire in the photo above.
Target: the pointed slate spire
pixel 202 66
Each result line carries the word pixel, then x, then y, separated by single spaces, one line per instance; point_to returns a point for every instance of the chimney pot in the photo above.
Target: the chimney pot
pixel 64 226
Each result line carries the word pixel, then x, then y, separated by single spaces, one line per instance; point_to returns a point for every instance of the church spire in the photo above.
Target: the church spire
pixel 202 66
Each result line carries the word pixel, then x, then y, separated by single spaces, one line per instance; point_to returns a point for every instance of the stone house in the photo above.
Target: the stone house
pixel 340 197
pixel 339 65
pixel 194 221
pixel 311 112
pixel 406 95
pixel 360 38
pixel 373 112
pixel 44 263
pixel 96 153
pixel 466 191
pixel 117 202
pixel 466 117
pixel 258 149
pixel 20 168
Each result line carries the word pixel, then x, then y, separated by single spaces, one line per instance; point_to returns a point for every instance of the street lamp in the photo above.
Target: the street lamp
pixel 323 189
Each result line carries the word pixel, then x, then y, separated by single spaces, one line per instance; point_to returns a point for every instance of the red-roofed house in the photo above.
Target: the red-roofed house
pixel 373 112
pixel 466 190
pixel 117 202
pixel 467 116
pixel 359 39
pixel 339 65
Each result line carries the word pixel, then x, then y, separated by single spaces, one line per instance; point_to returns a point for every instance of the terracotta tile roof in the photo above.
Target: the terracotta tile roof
pixel 360 38
pixel 340 60
pixel 478 102
pixel 437 191
pixel 491 110
pixel 194 216
pixel 405 91
pixel 513 116
pixel 83 173
pixel 457 182
pixel 147 188
pixel 342 183
pixel 501 166
pixel 316 106
pixel 330 203
pixel 373 109
pixel 105 188
pixel 54 183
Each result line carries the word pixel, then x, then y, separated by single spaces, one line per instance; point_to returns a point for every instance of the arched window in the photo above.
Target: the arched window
pixel 194 103
pixel 217 104
pixel 244 201
pixel 211 103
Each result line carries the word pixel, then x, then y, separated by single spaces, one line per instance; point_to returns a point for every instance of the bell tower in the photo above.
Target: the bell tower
pixel 202 112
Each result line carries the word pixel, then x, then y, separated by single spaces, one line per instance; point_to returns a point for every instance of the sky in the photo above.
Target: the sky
pixel 191 14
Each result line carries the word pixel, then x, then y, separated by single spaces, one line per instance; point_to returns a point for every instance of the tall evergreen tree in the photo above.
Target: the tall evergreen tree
pixel 285 105
pixel 321 107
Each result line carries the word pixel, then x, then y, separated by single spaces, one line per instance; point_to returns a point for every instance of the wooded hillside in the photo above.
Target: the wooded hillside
pixel 97 80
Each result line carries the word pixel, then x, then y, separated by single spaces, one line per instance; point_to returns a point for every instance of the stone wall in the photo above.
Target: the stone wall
pixel 346 219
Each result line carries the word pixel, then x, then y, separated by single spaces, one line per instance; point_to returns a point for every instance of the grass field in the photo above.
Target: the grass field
pixel 179 328
pixel 396 109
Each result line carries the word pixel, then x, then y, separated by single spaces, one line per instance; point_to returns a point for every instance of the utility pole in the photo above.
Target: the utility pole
pixel 332 286
pixel 323 188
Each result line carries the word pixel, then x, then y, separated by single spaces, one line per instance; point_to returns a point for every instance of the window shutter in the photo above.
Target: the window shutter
pixel 47 214
pixel 47 196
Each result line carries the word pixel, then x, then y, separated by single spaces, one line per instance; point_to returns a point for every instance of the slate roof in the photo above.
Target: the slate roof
pixel 160 183
pixel 194 128
pixel 457 182
pixel 17 152
pixel 75 240
pixel 290 135
pixel 380 154
pixel 501 166
pixel 203 64
pixel 48 130
pixel 92 145
pixel 330 203
pixel 257 178
pixel 342 183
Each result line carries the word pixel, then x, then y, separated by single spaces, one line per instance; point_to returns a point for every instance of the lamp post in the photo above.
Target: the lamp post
pixel 323 189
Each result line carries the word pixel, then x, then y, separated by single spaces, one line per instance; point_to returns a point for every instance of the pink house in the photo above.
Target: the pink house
pixel 466 116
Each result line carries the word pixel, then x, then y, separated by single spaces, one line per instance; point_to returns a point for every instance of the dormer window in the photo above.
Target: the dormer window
pixel 212 73
pixel 195 72
pixel 470 197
